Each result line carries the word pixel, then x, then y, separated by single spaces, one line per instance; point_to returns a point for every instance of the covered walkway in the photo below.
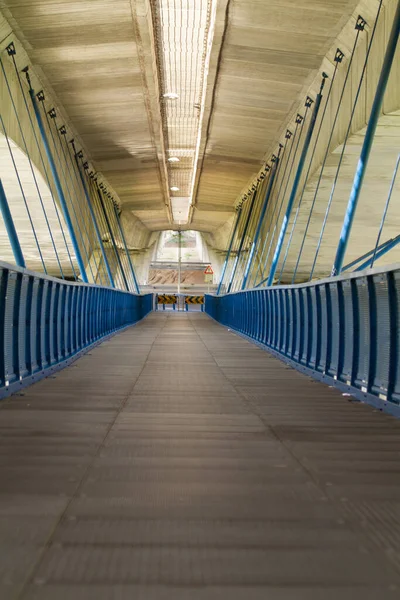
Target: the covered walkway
pixel 177 460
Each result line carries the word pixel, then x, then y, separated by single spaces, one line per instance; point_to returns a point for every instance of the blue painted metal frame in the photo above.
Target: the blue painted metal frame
pixel 344 331
pixel 47 323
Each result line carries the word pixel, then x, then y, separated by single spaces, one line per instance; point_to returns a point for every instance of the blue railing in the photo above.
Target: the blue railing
pixel 46 323
pixel 343 330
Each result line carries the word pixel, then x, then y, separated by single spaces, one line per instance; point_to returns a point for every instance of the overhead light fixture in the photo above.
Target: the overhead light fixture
pixel 171 96
pixel 173 159
pixel 174 188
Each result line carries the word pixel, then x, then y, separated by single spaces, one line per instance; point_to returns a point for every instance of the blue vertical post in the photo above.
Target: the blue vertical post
pixel 246 226
pixel 11 231
pixel 367 145
pixel 126 249
pixel 93 217
pixel 239 212
pixel 57 183
pixel 295 187
pixel 261 218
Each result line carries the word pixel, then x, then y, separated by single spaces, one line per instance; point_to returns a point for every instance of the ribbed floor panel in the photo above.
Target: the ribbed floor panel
pixel 178 461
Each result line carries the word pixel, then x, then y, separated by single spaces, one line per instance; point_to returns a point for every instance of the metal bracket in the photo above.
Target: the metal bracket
pixel 273 158
pixel 40 96
pixel 63 130
pixel 339 55
pixel 11 51
pixel 309 101
pixel 360 23
pixel 85 165
pixel 288 134
pixel 26 71
pixel 52 113
pixel 299 118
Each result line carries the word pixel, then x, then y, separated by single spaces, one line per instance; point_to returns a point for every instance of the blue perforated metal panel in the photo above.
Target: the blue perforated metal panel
pixel 11 327
pixel 24 327
pixel 381 372
pixel 347 337
pixel 364 334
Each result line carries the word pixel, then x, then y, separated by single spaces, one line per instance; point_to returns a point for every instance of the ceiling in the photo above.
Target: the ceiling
pixel 239 68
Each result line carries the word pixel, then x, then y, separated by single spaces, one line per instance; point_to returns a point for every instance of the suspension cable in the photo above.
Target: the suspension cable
pixel 328 208
pixel 11 52
pixel 23 193
pixel 378 239
pixel 65 170
pixel 300 120
pixel 40 97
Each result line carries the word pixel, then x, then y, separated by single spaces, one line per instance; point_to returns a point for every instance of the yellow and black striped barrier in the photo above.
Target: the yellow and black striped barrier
pixel 194 300
pixel 167 299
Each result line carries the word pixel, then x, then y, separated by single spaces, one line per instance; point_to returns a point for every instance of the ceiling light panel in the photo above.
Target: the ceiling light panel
pixel 183 36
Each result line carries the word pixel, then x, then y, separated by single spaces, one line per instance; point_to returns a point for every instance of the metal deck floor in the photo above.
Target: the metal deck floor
pixel 177 461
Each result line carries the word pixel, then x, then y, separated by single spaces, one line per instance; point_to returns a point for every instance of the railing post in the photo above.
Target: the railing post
pixel 367 145
pixel 126 249
pixel 11 231
pixel 261 218
pixel 57 181
pixel 296 184
pixel 239 212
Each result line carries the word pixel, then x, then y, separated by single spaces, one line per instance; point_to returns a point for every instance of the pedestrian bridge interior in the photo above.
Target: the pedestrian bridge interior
pixel 199 299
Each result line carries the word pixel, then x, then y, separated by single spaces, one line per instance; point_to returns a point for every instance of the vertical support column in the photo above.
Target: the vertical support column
pixel 296 184
pixel 121 231
pixel 246 226
pixel 57 181
pixel 11 231
pixel 262 215
pixel 228 254
pixel 367 145
pixel 93 217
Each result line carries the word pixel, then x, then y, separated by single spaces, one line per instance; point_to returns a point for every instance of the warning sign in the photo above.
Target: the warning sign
pixel 209 271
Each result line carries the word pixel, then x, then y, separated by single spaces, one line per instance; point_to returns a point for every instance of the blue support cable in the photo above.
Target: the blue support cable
pixel 270 235
pixel 126 249
pixel 224 268
pixel 264 207
pixel 64 171
pixel 338 58
pixel 78 190
pixel 295 186
pixel 93 217
pixel 367 254
pixel 299 121
pixel 111 235
pixel 237 258
pixel 386 209
pixel 378 253
pixel 11 52
pixel 367 145
pixel 40 97
pixel 113 216
pixel 57 183
pixel 10 227
pixel 23 195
